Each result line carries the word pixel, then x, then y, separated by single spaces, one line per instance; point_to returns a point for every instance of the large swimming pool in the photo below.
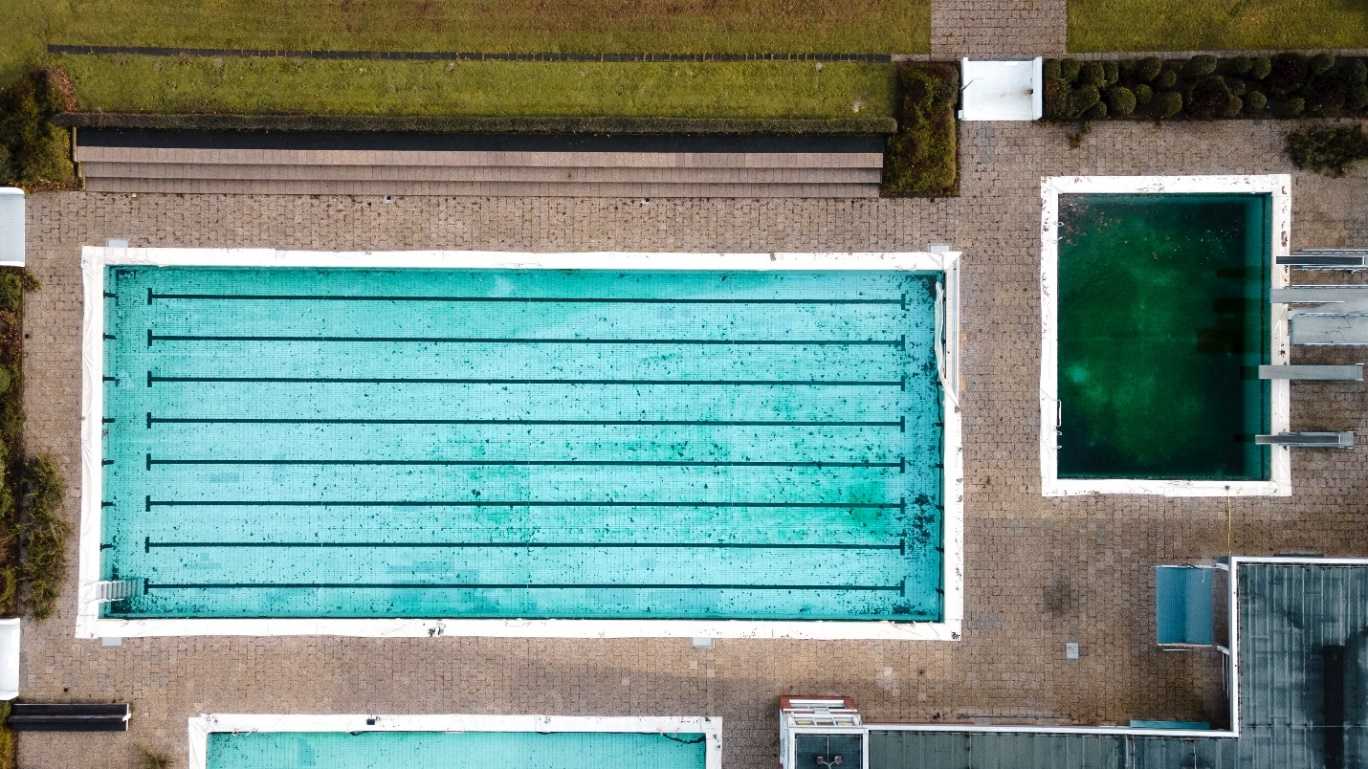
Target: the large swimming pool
pixel 522 443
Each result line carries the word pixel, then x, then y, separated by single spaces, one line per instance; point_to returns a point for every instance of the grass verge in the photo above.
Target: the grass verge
pixel 174 85
pixel 529 26
pixel 1182 25
pixel 922 159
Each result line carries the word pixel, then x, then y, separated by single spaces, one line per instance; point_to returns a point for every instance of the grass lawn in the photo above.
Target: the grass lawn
pixel 592 26
pixel 534 89
pixel 1183 25
pixel 256 86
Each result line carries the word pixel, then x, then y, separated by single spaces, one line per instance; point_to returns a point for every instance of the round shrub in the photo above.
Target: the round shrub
pixel 1069 69
pixel 1233 106
pixel 6 378
pixel 1093 73
pixel 1288 75
pixel 1121 101
pixel 1143 94
pixel 1236 86
pixel 1357 98
pixel 1355 71
pixel 1255 101
pixel 1126 68
pixel 1289 108
pixel 1239 66
pixel 1167 79
pixel 1148 68
pixel 1207 98
pixel 1263 67
pixel 1082 100
pixel 1056 99
pixel 1096 112
pixel 1321 63
pixel 1167 104
pixel 1111 72
pixel 1200 65
pixel 1050 69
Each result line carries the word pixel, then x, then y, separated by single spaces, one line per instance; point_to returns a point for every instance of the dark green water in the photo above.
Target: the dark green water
pixel 1163 320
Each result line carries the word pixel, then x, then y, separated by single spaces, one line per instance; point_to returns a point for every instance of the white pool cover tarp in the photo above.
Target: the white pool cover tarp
pixel 1001 90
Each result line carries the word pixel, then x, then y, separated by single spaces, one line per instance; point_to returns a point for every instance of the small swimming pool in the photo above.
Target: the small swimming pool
pixel 366 443
pixel 1157 317
pixel 231 741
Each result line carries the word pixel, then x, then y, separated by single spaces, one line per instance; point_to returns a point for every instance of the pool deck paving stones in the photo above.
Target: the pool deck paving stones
pixel 1040 572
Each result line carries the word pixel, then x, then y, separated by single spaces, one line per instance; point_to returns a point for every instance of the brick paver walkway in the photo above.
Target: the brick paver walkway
pixel 998 29
pixel 1040 572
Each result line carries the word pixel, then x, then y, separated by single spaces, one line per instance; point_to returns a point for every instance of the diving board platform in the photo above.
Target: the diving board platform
pixel 1331 440
pixel 1352 372
pixel 1326 259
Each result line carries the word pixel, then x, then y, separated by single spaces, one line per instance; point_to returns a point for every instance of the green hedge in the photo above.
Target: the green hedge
pixel 1204 87
pixel 922 158
pixel 521 125
pixel 1328 149
pixel 35 153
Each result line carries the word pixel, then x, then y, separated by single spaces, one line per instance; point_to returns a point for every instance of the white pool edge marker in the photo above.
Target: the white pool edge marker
pixel 89 624
pixel 1279 187
pixel 202 726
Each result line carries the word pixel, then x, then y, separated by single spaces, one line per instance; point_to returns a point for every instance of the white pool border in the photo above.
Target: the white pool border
pixel 1051 187
pixel 89 624
pixel 202 726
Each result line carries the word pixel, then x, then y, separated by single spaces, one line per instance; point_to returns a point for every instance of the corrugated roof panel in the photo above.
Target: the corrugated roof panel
pixel 1289 614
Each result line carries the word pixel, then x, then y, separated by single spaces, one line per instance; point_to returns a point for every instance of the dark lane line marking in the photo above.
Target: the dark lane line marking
pixel 899 383
pixel 508 586
pixel 515 299
pixel 899 423
pixel 150 503
pixel 151 338
pixel 899 465
pixel 148 544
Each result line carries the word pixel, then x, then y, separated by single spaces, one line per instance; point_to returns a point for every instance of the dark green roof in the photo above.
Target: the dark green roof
pixel 1303 648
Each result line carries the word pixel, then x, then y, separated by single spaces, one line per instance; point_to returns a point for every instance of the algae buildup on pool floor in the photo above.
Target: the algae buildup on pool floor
pixel 523 443
pixel 1164 317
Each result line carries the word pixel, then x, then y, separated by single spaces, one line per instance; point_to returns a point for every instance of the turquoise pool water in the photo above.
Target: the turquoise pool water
pixel 551 444
pixel 466 750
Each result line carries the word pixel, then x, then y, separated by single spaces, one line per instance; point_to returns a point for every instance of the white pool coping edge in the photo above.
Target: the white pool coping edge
pixel 1051 187
pixel 89 624
pixel 202 726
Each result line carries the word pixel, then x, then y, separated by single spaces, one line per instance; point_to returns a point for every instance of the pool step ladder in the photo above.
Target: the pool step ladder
pixel 1352 372
pixel 117 590
pixel 1326 259
pixel 1340 440
pixel 1332 315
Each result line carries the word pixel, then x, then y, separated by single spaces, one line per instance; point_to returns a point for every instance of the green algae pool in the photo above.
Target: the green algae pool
pixel 1163 319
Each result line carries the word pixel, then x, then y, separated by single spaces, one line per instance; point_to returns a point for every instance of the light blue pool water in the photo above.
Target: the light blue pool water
pixel 572 444
pixel 467 750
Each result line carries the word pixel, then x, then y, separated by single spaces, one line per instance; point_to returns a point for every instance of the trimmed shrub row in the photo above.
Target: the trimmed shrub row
pixel 519 125
pixel 922 158
pixel 1204 87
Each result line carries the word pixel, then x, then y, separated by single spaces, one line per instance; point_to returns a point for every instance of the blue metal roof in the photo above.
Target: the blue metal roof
pixel 1303 655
